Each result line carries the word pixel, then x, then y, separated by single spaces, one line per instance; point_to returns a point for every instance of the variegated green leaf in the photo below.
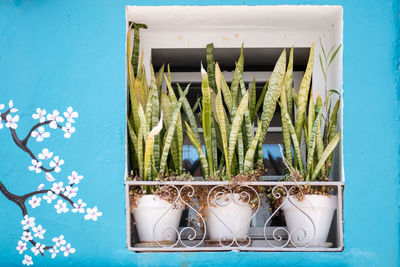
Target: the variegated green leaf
pixel 302 98
pixel 289 83
pixel 296 144
pixel 252 104
pixel 273 92
pixel 221 84
pixel 312 141
pixel 206 119
pixel 236 125
pixel 328 150
pixel 249 158
pixel 221 121
pixel 197 146
pixel 211 67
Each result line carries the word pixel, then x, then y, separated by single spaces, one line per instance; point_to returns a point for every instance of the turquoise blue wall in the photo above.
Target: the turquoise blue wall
pixel 59 53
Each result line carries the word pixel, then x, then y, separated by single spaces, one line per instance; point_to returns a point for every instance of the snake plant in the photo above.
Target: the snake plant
pixel 319 141
pixel 228 116
pixel 154 119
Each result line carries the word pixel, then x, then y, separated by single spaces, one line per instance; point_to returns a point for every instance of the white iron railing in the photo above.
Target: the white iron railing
pixel 264 237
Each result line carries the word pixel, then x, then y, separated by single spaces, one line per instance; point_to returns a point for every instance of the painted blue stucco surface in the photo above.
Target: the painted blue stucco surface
pixel 54 54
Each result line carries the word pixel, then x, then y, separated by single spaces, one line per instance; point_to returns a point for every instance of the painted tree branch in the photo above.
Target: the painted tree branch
pixel 23 144
pixel 20 202
pixel 33 231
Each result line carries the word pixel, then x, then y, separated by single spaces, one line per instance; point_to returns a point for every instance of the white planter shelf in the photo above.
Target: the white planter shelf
pixel 261 236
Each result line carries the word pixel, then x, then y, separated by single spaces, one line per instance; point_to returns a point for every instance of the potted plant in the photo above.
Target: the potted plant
pixel 309 210
pixel 232 152
pixel 155 147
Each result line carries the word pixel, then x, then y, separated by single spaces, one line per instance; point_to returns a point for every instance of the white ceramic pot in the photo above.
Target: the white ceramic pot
pixel 320 209
pixel 233 213
pixel 147 215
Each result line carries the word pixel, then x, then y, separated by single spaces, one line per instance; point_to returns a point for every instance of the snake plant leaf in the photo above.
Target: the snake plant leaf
pixel 211 67
pixel 221 84
pixel 236 125
pixel 197 146
pixel 312 142
pixel 261 99
pixel 132 135
pixel 155 115
pixel 221 121
pixel 249 158
pixel 214 146
pixel 170 133
pixel 148 152
pixel 287 145
pixel 332 131
pixel 328 150
pixel 235 82
pixel 240 149
pixel 140 151
pixel 159 79
pixel 178 144
pixel 289 83
pixel 260 152
pixel 196 105
pixel 294 97
pixel 149 104
pixel 302 98
pixel 320 144
pixel 311 116
pixel 273 92
pixel 333 120
pixel 136 46
pixel 189 112
pixel 247 129
pixel 143 123
pixel 206 119
pixel 131 82
pixel 296 144
pixel 252 104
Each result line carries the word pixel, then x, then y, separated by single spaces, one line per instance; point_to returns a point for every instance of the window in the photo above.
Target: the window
pixel 178 35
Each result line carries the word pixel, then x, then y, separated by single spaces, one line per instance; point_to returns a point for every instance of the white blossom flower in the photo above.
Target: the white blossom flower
pixel 56 163
pixel 50 196
pixel 1 122
pixel 68 129
pixel 79 206
pixel 61 207
pixel 26 236
pixel 40 115
pixel 75 178
pixel 40 187
pixel 57 187
pixel 70 114
pixel 49 177
pixel 35 201
pixel 35 166
pixel 28 222
pixel 27 260
pixel 38 248
pixel 21 246
pixel 1 106
pixel 10 106
pixel 40 135
pixel 67 250
pixel 92 214
pixel 46 154
pixel 39 231
pixel 12 121
pixel 55 119
pixel 59 240
pixel 70 191
pixel 54 252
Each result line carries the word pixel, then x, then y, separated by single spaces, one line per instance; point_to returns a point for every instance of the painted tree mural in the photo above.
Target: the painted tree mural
pixel 63 195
